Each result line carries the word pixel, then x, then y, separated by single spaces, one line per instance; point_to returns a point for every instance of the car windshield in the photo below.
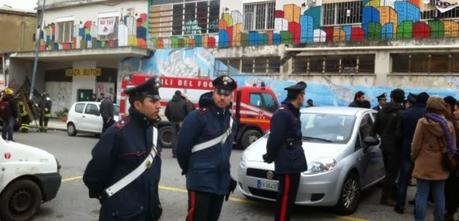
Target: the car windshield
pixel 328 128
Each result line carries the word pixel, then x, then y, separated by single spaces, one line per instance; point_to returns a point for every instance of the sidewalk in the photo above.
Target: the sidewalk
pixel 53 124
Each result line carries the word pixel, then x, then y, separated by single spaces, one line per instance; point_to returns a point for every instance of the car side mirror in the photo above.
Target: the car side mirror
pixel 370 141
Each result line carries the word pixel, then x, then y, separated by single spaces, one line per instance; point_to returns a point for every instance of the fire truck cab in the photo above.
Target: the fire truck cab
pixel 252 108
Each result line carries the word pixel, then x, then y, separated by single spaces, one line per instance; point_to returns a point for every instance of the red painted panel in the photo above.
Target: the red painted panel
pixel 357 34
pixel 295 29
pixel 329 32
pixel 279 14
pixel 230 36
pixel 270 37
pixel 212 42
pixel 421 30
pixel 87 24
pixel 159 43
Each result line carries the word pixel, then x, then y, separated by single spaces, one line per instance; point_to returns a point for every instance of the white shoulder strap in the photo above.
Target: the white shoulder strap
pixel 220 139
pixel 123 182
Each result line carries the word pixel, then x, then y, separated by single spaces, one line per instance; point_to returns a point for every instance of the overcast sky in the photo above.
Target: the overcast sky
pixel 20 4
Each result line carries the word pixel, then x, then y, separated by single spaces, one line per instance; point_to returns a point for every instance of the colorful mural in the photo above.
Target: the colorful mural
pixel 130 30
pixel 381 20
pixel 199 62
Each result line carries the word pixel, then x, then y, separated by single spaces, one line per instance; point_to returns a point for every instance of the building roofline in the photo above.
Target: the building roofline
pixel 14 11
pixel 373 48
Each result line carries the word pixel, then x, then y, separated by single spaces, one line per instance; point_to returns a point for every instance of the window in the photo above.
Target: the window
pixel 453 13
pixel 342 13
pixel 425 63
pixel 332 128
pixel 255 100
pixel 335 64
pixel 64 31
pixel 365 129
pixel 92 109
pixel 264 101
pixel 184 18
pixel 259 16
pixel 79 108
pixel 257 65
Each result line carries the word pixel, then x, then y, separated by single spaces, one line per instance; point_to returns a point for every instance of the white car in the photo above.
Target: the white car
pixel 85 117
pixel 28 177
pixel 343 158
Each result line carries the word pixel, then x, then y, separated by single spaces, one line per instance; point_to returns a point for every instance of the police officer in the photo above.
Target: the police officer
pixel 126 147
pixel 284 148
pixel 381 102
pixel 204 149
pixel 45 111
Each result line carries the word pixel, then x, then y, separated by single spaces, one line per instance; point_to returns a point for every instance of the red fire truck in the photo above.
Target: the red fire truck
pixel 252 108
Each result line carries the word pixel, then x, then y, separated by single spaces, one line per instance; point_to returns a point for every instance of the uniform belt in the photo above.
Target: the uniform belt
pixel 220 139
pixel 146 164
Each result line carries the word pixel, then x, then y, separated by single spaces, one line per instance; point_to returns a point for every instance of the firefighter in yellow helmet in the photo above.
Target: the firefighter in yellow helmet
pixel 24 117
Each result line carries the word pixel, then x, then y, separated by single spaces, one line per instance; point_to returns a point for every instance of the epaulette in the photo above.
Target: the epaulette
pixel 203 110
pixel 122 122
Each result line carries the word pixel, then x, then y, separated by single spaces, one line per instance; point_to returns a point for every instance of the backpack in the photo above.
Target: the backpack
pixel 5 109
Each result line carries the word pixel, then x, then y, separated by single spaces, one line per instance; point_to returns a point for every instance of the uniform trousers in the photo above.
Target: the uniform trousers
pixel 286 197
pixel 204 206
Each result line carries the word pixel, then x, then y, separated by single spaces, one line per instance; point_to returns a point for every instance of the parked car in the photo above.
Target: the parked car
pixel 85 117
pixel 29 177
pixel 342 154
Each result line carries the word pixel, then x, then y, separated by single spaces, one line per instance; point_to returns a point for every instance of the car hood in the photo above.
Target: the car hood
pixel 22 152
pixel 312 151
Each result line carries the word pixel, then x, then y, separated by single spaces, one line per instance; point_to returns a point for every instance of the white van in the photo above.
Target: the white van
pixel 28 177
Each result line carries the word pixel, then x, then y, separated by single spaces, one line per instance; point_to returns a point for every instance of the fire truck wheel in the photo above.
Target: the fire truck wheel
pixel 249 137
pixel 166 136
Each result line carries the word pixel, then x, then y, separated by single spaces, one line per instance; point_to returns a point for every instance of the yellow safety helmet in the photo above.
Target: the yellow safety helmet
pixel 9 91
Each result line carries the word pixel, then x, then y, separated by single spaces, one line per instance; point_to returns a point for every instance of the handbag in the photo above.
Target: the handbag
pixel 450 161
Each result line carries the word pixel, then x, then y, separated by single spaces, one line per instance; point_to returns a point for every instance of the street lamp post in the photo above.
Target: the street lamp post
pixel 40 23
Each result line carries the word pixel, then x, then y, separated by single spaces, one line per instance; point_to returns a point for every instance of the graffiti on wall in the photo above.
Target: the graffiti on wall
pixel 110 32
pixel 294 24
pixel 170 62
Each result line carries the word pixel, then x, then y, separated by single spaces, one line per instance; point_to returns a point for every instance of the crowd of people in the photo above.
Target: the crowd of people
pixel 419 139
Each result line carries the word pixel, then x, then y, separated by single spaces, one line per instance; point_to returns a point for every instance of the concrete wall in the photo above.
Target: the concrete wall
pixel 21 28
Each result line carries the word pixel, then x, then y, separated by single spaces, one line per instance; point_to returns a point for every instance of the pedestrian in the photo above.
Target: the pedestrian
pixel 452 183
pixel 434 135
pixel 8 113
pixel 203 151
pixel 45 111
pixel 409 119
pixel 359 100
pixel 410 100
pixel 176 111
pixel 388 126
pixel 101 97
pixel 125 168
pixel 106 111
pixel 381 102
pixel 284 148
pixel 310 103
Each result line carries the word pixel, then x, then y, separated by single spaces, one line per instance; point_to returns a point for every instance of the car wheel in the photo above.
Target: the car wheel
pixel 350 195
pixel 71 130
pixel 249 137
pixel 166 136
pixel 20 201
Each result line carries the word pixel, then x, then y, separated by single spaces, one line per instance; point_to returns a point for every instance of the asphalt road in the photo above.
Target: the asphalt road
pixel 72 202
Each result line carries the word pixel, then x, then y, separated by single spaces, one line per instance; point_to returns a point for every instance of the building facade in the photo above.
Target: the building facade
pixel 81 46
pixel 21 26
pixel 345 44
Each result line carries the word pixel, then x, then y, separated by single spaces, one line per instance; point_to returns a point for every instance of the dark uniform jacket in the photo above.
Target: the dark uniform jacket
pixel 122 148
pixel 45 107
pixel 177 109
pixel 410 119
pixel 284 145
pixel 207 170
pixel 388 126
pixel 106 108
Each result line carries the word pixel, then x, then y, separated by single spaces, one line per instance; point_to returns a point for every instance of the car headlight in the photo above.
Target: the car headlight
pixel 320 165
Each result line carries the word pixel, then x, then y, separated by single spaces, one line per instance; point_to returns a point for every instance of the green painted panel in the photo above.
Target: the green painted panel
pixel 437 29
pixel 374 31
pixel 405 30
pixel 286 37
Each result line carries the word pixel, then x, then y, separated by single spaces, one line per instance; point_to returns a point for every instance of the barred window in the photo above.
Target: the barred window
pixel 64 31
pixel 431 14
pixel 342 13
pixel 335 64
pixel 259 15
pixel 425 63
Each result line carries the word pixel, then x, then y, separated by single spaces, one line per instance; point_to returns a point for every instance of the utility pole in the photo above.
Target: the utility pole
pixel 40 23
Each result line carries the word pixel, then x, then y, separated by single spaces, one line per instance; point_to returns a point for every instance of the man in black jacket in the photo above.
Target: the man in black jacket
pixel 106 110
pixel 388 126
pixel 176 110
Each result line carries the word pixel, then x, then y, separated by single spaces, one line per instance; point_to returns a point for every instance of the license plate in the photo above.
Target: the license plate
pixel 268 185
